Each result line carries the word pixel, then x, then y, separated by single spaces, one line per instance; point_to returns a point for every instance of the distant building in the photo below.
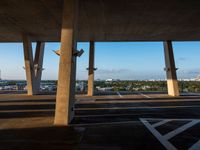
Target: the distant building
pixel 111 80
pixel 198 78
pixel 104 88
pixel 20 86
pixel 145 87
pixel 81 86
pixel 48 87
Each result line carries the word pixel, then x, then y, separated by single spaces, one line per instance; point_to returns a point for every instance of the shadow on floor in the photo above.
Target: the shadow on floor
pixel 114 137
pixel 40 138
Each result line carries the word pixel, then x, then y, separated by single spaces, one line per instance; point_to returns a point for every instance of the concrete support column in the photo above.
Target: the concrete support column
pixel 38 64
pixel 66 79
pixel 91 69
pixel 29 67
pixel 33 67
pixel 172 83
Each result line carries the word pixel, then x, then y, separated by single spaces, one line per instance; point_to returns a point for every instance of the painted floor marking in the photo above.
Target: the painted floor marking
pixel 196 146
pixel 164 139
pixel 194 94
pixel 144 95
pixel 118 93
pixel 160 123
pixel 180 129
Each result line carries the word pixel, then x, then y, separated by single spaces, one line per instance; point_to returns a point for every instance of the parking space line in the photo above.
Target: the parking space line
pixel 118 93
pixel 160 123
pixel 178 119
pixel 164 139
pixel 193 94
pixel 144 95
pixel 180 129
pixel 196 146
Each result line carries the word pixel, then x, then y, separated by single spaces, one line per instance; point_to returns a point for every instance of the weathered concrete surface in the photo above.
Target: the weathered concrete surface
pixel 29 66
pixel 101 20
pixel 38 64
pixel 172 83
pixel 91 69
pixel 27 123
pixel 67 67
pixel 33 65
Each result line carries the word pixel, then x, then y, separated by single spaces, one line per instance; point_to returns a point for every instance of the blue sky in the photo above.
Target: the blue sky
pixel 117 60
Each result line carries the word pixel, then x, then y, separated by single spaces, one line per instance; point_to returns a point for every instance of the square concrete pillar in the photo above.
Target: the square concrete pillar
pixel 172 83
pixel 33 67
pixel 91 70
pixel 67 67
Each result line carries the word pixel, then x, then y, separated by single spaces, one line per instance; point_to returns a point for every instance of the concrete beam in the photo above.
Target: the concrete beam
pixel 110 22
pixel 67 68
pixel 172 83
pixel 33 67
pixel 91 69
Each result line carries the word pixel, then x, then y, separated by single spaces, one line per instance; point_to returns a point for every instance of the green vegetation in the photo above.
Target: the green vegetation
pixel 189 86
pixel 154 86
pixel 161 86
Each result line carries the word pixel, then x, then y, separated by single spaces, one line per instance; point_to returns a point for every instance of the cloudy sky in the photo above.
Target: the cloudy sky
pixel 124 60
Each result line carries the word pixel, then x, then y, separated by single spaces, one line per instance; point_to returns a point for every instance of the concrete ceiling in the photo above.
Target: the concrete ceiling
pixel 103 20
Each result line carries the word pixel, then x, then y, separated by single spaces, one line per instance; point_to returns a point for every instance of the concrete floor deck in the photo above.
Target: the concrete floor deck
pixel 101 123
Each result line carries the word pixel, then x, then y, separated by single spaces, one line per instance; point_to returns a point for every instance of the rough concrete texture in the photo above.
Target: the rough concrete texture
pixel 67 67
pixel 101 20
pixel 172 82
pixel 91 69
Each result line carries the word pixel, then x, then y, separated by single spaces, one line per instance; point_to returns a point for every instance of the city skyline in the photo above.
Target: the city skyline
pixel 129 61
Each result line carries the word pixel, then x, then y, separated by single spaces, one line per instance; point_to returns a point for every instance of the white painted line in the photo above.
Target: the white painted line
pixel 175 119
pixel 119 95
pixel 193 94
pixel 144 95
pixel 160 123
pixel 180 129
pixel 196 146
pixel 162 140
